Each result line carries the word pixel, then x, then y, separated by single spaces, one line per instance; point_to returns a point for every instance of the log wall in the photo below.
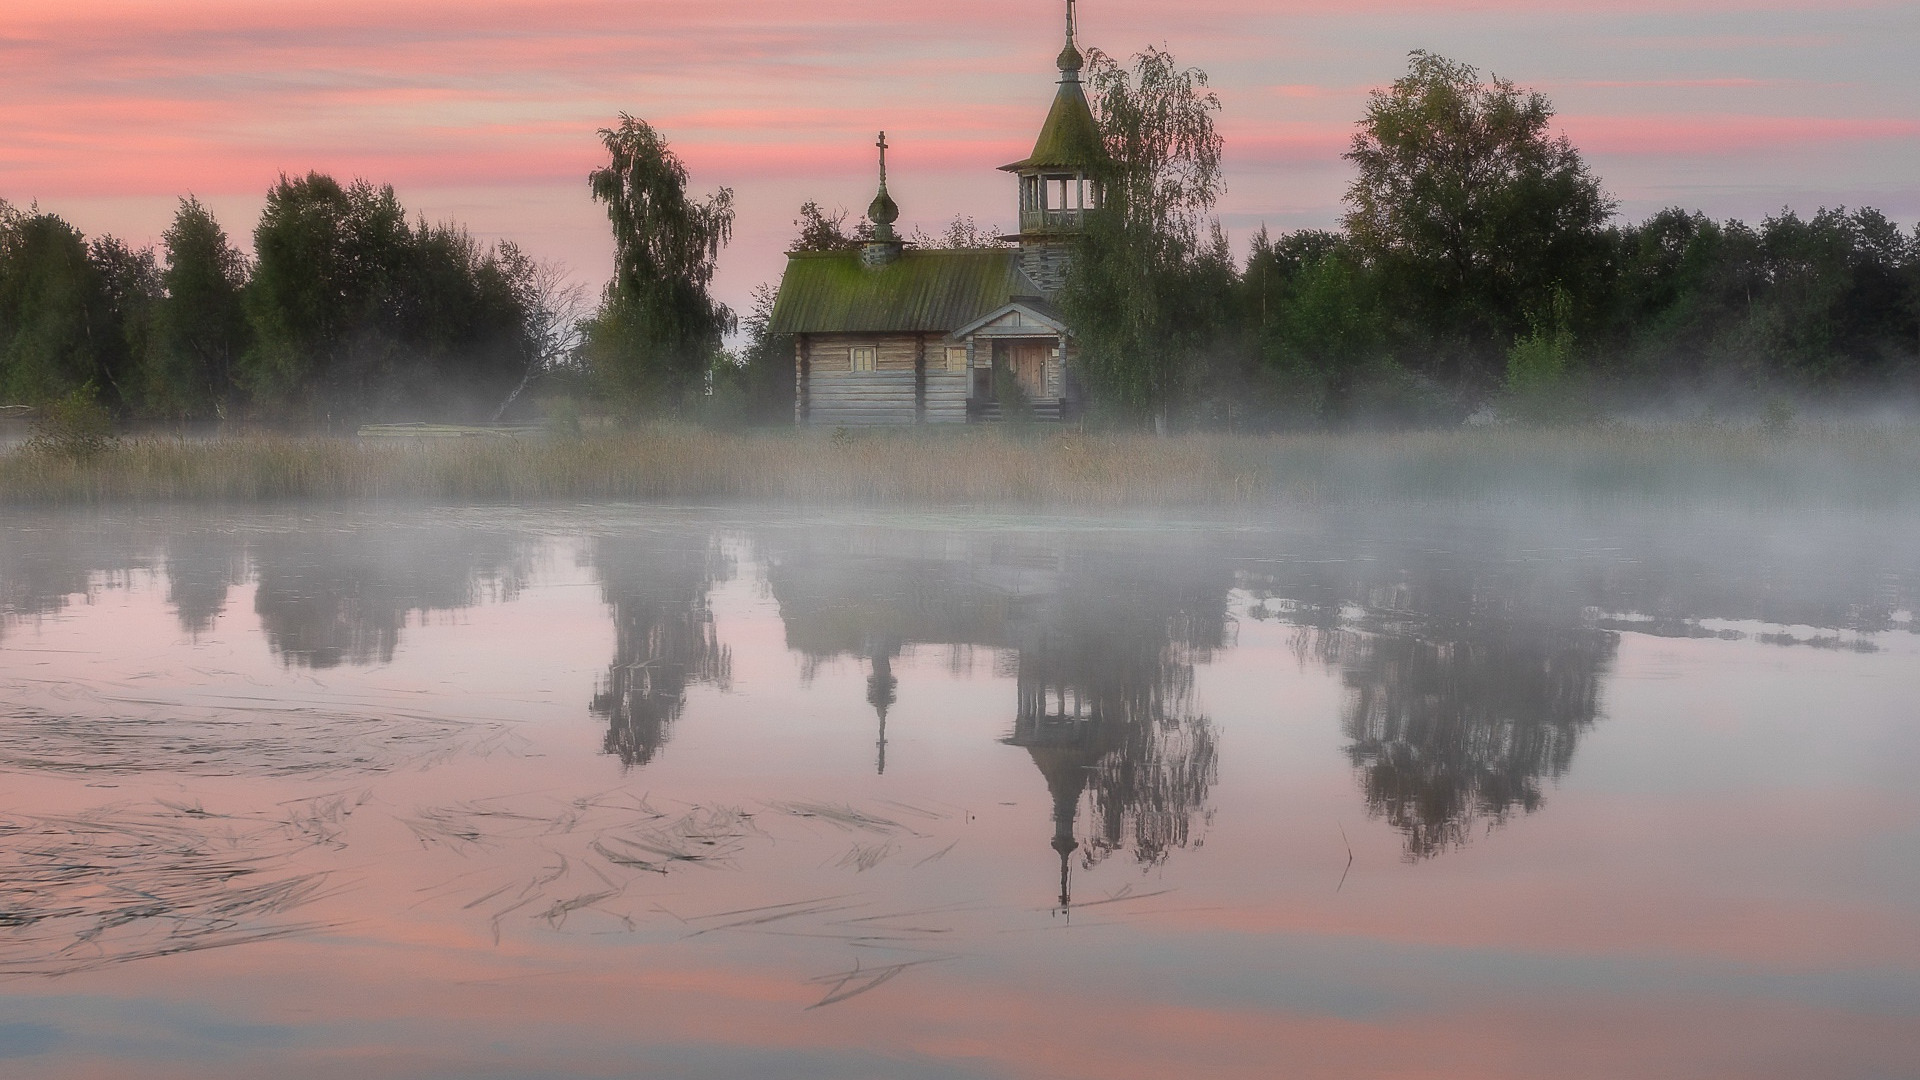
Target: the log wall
pixel 918 378
pixel 946 397
pixel 834 352
pixel 864 398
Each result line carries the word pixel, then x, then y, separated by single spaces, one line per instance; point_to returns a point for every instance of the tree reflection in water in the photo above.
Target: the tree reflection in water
pixel 664 639
pixel 1450 735
pixel 332 597
pixel 46 560
pixel 203 566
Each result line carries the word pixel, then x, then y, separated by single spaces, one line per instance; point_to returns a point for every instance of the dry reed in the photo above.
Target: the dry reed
pixel 1058 469
pixel 114 884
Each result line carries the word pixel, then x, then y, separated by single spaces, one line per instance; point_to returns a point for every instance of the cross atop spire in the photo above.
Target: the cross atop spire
pixel 883 211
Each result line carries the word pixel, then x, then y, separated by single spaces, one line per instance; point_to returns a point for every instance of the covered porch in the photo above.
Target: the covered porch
pixel 1017 359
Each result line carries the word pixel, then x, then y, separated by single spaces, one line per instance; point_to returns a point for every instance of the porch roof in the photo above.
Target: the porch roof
pixel 1045 316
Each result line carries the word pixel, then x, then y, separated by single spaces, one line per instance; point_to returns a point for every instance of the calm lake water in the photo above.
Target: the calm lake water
pixel 1472 792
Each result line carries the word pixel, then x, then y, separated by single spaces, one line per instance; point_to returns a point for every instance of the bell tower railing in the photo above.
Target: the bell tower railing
pixel 1057 202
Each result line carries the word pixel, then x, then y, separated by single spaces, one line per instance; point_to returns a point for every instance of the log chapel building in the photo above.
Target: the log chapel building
pixel 888 333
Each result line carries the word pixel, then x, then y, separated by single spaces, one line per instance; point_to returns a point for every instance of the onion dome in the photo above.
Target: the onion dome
pixel 883 211
pixel 1070 60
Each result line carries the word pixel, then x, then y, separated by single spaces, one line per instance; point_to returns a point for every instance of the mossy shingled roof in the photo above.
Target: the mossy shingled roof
pixel 923 291
pixel 1069 139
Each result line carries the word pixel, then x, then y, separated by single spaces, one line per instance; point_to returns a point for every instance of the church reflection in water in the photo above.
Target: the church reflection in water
pixel 1101 644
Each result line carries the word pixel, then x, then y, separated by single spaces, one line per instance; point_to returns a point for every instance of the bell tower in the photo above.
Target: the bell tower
pixel 1059 181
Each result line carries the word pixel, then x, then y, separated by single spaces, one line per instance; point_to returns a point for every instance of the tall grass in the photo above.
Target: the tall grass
pixel 1057 469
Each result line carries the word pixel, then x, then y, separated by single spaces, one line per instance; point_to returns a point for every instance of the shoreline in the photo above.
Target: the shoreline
pixel 1036 468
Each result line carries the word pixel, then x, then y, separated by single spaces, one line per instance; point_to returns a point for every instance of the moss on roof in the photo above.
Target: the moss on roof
pixel 924 291
pixel 1069 139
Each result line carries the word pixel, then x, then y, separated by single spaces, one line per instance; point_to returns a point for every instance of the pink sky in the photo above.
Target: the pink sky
pixel 484 111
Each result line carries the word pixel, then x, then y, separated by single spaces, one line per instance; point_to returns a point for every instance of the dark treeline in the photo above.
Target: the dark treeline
pixel 347 311
pixel 1678 308
pixel 1480 266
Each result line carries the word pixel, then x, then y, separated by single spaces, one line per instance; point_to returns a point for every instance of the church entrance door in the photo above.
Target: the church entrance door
pixel 1027 361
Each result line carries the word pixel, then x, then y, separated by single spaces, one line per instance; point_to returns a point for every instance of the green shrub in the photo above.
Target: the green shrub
pixel 1542 387
pixel 74 426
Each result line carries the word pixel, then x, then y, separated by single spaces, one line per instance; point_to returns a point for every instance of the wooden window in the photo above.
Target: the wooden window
pixel 863 358
pixel 956 358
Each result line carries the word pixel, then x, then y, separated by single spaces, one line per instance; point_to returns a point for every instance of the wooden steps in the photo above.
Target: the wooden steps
pixel 989 412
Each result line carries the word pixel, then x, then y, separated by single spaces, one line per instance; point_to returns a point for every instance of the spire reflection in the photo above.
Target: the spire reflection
pixel 882 692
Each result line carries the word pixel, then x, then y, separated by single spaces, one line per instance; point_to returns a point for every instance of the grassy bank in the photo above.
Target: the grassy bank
pixel 1062 470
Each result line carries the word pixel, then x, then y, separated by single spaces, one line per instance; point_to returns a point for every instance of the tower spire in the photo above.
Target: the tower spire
pixel 1070 59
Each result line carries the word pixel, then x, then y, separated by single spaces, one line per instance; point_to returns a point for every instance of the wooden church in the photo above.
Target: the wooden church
pixel 890 333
